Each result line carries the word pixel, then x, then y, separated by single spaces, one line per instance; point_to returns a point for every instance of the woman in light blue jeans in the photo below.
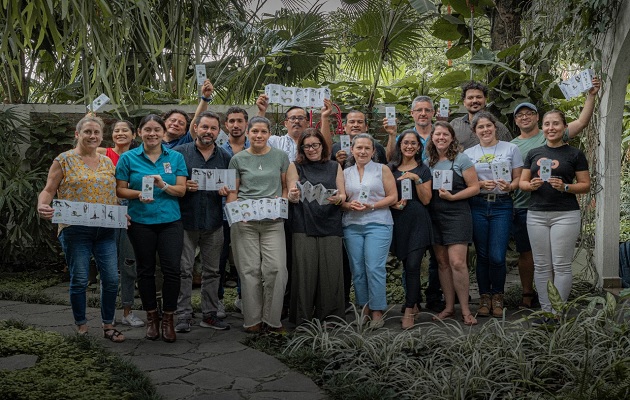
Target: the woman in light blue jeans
pixel 554 173
pixel 368 225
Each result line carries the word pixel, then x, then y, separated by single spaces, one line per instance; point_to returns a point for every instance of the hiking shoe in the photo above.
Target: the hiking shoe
pixel 497 305
pixel 212 321
pixel 132 320
pixel 238 303
pixel 183 326
pixel 485 305
pixel 221 310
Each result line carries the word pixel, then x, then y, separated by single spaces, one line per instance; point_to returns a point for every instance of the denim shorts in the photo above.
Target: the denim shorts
pixel 519 230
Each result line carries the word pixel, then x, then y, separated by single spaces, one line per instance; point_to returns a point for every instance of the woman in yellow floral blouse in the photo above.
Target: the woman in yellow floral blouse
pixel 81 174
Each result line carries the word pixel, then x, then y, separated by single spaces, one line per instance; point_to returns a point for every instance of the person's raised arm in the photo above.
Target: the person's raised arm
pixel 262 102
pixel 577 126
pixel 325 122
pixel 206 96
pixel 391 130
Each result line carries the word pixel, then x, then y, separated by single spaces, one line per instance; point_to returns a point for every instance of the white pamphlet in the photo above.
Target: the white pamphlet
pixel 344 141
pixel 405 188
pixel 214 179
pixel 256 210
pixel 501 170
pixel 89 214
pixel 364 194
pixel 147 187
pixel 390 114
pixel 444 107
pixel 545 169
pixel 222 138
pixel 200 70
pixel 98 103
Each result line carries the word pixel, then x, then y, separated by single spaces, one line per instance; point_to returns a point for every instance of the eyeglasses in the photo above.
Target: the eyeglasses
pixel 406 143
pixel 524 114
pixel 176 121
pixel 313 146
pixel 426 110
pixel 294 119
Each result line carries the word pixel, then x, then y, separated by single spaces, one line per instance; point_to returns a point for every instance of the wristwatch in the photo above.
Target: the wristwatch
pixel 566 187
pixel 418 181
pixel 207 99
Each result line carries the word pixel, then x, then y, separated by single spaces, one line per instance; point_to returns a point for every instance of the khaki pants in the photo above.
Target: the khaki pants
pixel 260 257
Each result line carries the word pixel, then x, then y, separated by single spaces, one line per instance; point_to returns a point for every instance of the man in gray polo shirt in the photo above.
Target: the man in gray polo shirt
pixel 203 225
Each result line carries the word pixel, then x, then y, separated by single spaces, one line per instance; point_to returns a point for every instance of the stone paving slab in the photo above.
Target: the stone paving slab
pixel 202 364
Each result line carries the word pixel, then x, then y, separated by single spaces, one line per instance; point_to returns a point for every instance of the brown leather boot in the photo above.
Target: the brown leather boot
pixel 168 330
pixel 497 305
pixel 153 325
pixel 484 306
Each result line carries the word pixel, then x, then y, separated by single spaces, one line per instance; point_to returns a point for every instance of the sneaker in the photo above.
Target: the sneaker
pixel 238 303
pixel 221 310
pixel 212 321
pixel 183 326
pixel 132 320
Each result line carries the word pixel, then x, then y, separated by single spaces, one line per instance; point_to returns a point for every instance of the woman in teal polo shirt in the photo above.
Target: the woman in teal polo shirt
pixel 156 225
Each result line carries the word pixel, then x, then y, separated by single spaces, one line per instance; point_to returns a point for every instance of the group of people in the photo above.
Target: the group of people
pixel 379 200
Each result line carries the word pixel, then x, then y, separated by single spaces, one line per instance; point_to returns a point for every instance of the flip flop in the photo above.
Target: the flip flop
pixel 444 315
pixel 469 320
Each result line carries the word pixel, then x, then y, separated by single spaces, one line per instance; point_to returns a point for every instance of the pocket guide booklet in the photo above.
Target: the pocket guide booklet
pixel 89 214
pixel 256 210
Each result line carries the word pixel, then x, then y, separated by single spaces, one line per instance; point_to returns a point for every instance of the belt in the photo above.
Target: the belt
pixel 492 197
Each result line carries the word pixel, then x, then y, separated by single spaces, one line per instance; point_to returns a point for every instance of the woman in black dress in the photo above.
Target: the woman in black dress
pixel 412 222
pixel 317 278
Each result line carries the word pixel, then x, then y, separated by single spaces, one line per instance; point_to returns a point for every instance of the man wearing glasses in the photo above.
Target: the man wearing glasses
pixel 530 137
pixel 474 98
pixel 422 112
pixel 296 121
pixel 177 120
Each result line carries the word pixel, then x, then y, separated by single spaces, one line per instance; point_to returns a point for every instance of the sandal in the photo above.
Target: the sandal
pixel 534 303
pixel 443 315
pixel 469 320
pixel 114 335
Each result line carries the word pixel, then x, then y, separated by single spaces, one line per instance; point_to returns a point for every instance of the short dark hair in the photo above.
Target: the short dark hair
pixel 474 85
pixel 237 110
pixel 168 114
pixel 355 111
pixel 286 114
pixel 207 114
pixel 258 120
pixel 301 155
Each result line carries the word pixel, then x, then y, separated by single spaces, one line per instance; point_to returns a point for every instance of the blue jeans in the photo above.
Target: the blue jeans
pixel 368 246
pixel 126 267
pixel 492 224
pixel 80 243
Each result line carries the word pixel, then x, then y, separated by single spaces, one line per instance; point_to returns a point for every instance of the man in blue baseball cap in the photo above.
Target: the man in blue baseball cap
pixel 530 137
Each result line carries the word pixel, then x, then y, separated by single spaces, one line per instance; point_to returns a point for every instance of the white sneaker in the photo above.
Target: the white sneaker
pixel 132 320
pixel 221 310
pixel 238 303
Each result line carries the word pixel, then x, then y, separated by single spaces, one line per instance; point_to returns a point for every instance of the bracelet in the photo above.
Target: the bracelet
pixel 207 99
pixel 338 202
pixel 163 189
pixel 372 206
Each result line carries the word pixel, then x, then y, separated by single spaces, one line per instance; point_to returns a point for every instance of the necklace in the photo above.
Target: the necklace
pixel 260 166
pixel 486 157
